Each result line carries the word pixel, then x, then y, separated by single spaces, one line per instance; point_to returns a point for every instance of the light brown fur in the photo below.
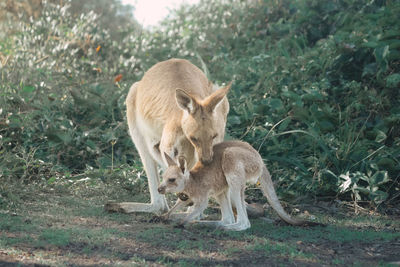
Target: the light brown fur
pixel 175 110
pixel 234 164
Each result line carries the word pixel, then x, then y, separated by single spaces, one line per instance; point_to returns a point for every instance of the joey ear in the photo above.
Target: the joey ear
pixel 185 101
pixel 170 161
pixel 215 98
pixel 182 164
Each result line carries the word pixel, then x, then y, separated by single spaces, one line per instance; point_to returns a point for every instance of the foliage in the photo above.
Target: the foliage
pixel 313 88
pixel 67 109
pixel 316 89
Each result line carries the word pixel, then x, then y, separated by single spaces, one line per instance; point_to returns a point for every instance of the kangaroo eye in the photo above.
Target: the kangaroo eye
pixel 194 139
pixel 171 180
pixel 215 136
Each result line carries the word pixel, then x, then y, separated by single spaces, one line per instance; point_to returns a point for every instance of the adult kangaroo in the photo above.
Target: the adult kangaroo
pixel 175 110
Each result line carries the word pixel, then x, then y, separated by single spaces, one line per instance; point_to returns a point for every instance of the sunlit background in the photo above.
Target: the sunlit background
pixel 151 12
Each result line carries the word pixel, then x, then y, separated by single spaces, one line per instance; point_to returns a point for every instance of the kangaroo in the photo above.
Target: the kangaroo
pixel 234 164
pixel 174 110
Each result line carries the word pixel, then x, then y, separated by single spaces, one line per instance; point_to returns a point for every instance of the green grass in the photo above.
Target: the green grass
pixel 54 237
pixel 76 226
pixel 333 233
pixel 279 249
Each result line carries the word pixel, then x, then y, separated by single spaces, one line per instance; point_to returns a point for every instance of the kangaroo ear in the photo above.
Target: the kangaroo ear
pixel 182 164
pixel 215 98
pixel 186 101
pixel 170 161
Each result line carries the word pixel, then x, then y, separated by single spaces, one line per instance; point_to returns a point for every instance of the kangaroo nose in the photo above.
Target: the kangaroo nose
pixel 206 161
pixel 161 190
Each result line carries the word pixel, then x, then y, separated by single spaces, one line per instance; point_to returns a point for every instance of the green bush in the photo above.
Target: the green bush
pixel 313 89
pixel 58 96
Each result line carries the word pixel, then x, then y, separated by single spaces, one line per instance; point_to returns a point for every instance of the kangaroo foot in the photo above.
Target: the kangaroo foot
pixel 131 207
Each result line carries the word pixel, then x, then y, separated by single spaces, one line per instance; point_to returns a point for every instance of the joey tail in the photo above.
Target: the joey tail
pixel 267 187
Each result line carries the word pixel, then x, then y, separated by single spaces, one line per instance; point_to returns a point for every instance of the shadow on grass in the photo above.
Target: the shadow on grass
pixel 77 231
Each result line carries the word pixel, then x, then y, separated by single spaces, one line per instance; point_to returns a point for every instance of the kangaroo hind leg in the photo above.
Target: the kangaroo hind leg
pixel 235 174
pixel 158 202
pixel 227 216
pixel 236 187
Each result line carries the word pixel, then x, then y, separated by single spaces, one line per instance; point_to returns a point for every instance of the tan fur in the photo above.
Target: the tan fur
pixel 175 110
pixel 235 163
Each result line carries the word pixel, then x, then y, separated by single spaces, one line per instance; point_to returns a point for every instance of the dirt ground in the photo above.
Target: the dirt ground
pixel 69 227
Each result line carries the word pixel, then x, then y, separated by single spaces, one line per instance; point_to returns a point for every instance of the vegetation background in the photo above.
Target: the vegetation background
pixel 315 90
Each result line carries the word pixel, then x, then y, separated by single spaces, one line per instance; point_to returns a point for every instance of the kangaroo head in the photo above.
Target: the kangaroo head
pixel 174 176
pixel 201 123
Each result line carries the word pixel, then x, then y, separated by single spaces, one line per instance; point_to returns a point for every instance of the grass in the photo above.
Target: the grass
pixel 70 227
pixel 280 249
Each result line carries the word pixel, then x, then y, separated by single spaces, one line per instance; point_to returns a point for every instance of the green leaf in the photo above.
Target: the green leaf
pixel 28 88
pixel 51 180
pixel 369 69
pixel 294 97
pixel 379 178
pixel 326 125
pixel 328 177
pixel 387 164
pixel 378 196
pixel 91 144
pixel 275 103
pixel 362 189
pixel 291 95
pixel 380 136
pixel 371 44
pixel 234 120
pixel 284 124
pixel 393 81
pixel 313 95
pixel 380 54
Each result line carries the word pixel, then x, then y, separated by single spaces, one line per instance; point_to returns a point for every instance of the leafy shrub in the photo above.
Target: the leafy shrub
pixel 313 87
pixel 59 99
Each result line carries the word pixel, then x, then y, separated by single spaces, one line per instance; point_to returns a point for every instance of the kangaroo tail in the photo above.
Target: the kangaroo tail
pixel 268 189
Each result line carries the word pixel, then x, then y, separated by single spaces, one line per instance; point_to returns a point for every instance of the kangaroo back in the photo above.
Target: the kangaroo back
pixel 156 91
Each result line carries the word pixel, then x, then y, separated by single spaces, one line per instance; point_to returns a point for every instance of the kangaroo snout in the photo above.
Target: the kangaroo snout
pixel 161 190
pixel 206 159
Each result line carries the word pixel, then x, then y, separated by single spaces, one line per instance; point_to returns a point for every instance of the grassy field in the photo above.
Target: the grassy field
pixel 66 225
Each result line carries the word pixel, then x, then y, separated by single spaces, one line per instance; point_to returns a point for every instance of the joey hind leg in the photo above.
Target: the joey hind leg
pixel 224 200
pixel 237 198
pixel 227 216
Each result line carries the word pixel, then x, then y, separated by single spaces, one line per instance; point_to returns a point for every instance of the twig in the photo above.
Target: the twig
pixel 273 127
pixel 4 60
pixel 366 157
pixel 41 59
pixel 248 129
